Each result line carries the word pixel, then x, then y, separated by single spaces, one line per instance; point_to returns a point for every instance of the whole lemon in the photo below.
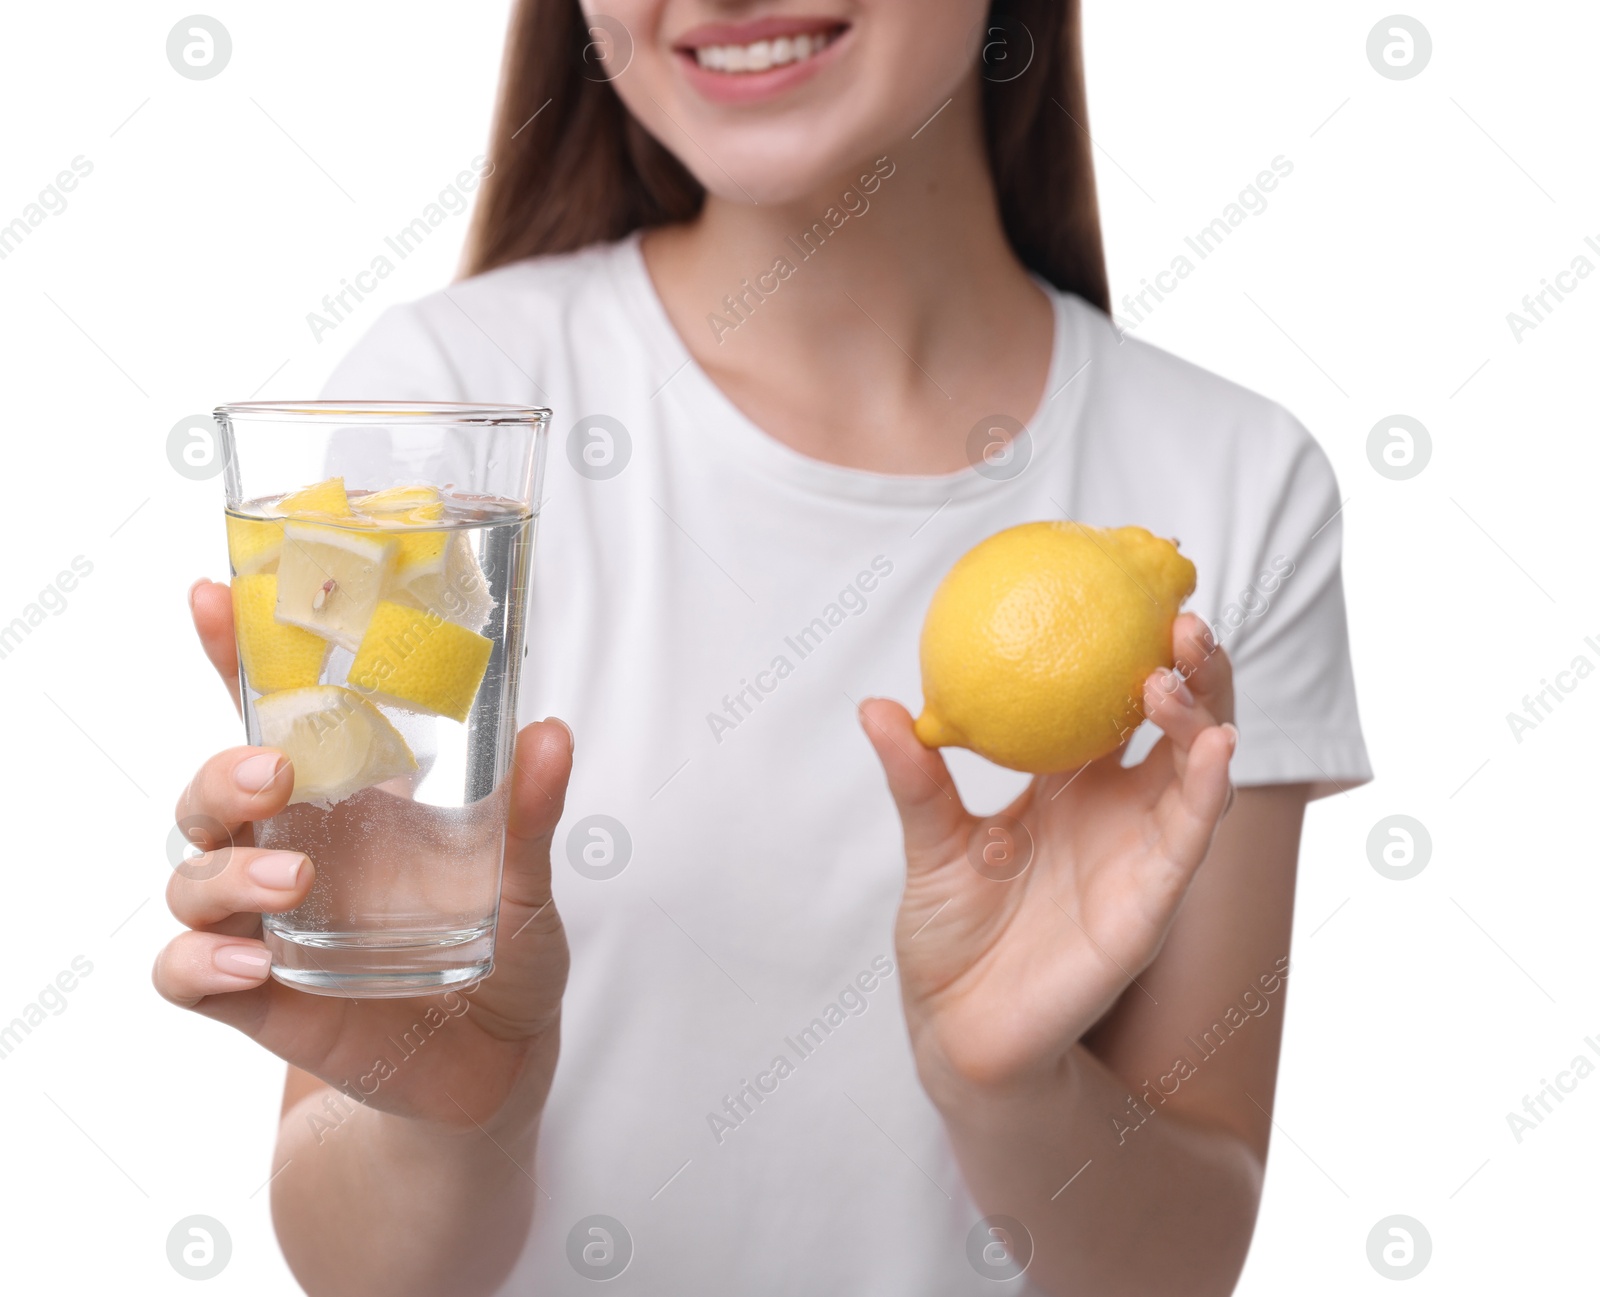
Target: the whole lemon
pixel 1038 642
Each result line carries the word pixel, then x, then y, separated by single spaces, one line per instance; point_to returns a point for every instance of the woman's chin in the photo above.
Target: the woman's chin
pixel 801 160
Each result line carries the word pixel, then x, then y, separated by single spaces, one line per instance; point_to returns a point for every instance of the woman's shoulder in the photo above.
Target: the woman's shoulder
pixel 1143 403
pixel 481 338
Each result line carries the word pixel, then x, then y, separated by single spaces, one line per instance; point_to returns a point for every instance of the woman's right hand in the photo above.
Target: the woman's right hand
pixel 492 1064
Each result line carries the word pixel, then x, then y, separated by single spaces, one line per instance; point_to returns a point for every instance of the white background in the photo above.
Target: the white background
pixel 1377 282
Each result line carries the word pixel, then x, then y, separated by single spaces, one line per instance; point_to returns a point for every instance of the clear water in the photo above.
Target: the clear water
pixel 408 871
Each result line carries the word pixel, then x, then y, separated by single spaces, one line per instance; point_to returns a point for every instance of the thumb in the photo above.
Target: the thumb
pixel 541 766
pixel 523 996
pixel 931 814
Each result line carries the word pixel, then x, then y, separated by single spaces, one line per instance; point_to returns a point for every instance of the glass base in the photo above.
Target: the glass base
pixel 387 965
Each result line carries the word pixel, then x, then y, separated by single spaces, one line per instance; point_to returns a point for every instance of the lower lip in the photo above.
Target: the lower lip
pixel 754 87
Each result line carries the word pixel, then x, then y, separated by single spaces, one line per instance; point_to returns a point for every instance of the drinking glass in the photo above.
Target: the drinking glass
pixel 380 556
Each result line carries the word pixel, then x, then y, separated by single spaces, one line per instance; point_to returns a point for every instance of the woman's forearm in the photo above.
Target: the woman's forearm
pixel 386 1205
pixel 1169 1209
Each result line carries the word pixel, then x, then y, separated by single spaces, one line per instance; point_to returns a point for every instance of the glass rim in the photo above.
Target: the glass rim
pixel 480 413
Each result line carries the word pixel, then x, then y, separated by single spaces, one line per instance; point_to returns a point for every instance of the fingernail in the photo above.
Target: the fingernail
pixel 572 742
pixel 255 774
pixel 1175 685
pixel 242 961
pixel 1233 736
pixel 279 870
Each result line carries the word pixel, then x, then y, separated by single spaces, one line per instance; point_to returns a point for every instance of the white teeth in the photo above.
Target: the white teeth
pixel 758 56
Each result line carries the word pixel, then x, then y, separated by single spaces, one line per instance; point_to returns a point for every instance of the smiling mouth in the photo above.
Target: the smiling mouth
pixel 766 54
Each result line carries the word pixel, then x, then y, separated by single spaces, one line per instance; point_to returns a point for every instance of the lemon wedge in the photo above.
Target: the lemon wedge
pixel 330 579
pixel 253 544
pixel 272 655
pixel 452 586
pixel 423 502
pixel 417 553
pixel 338 741
pixel 325 497
pixel 417 660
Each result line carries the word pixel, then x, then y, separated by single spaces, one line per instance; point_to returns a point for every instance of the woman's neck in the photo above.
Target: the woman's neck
pixel 875 321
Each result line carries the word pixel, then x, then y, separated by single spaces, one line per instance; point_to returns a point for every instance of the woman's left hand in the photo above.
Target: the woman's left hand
pixel 1016 933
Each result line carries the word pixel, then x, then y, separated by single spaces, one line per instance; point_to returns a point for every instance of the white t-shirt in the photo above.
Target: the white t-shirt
pixel 708 606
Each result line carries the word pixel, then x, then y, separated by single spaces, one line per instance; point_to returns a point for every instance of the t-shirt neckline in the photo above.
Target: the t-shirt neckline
pixel 684 383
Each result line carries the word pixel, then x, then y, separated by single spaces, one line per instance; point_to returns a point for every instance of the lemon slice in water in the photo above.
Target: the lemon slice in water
pixel 452 585
pixel 253 544
pixel 417 660
pixel 325 497
pixel 330 579
pixel 434 567
pixel 274 656
pixel 411 503
pixel 408 510
pixel 338 741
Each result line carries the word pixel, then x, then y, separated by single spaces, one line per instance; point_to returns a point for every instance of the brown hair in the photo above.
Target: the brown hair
pixel 572 167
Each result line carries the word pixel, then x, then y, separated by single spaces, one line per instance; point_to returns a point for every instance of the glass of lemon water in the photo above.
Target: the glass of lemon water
pixel 380 555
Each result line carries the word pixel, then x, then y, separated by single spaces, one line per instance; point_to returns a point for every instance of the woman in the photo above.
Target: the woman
pixel 817 294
